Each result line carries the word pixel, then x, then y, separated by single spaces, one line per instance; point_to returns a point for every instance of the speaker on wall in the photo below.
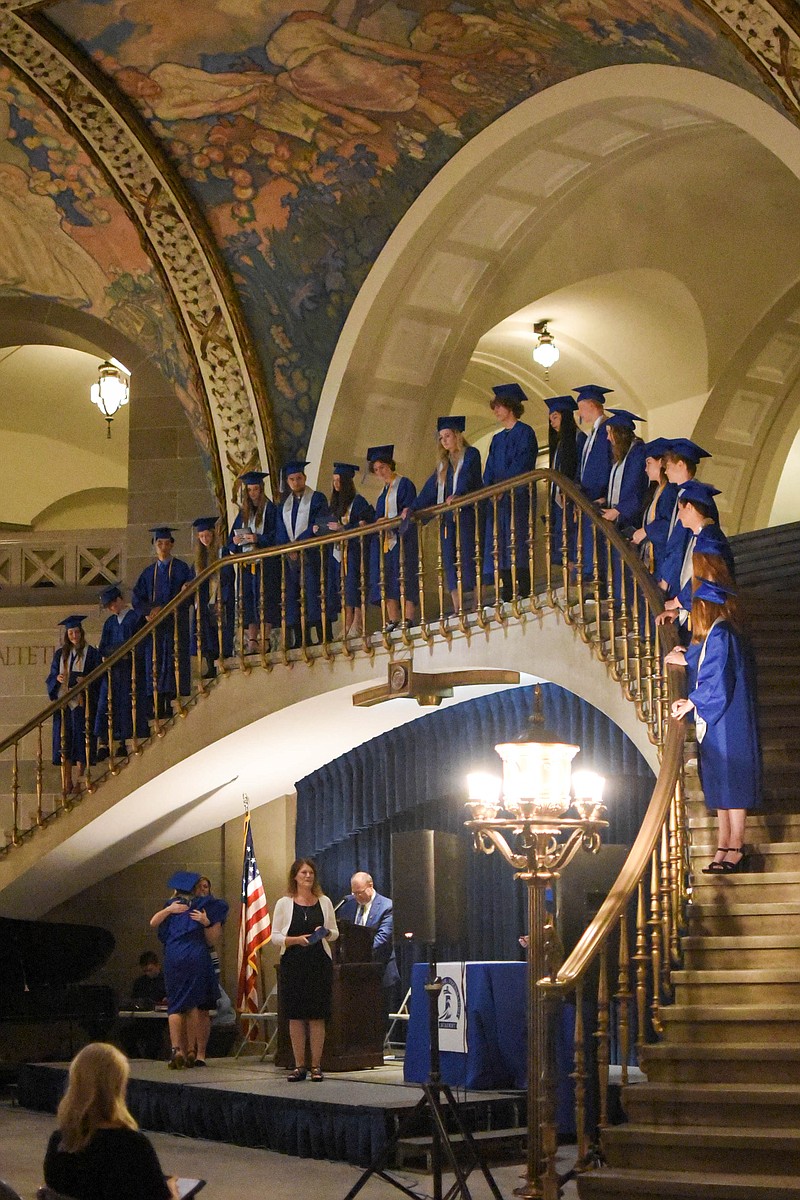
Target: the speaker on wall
pixel 429 891
pixel 584 884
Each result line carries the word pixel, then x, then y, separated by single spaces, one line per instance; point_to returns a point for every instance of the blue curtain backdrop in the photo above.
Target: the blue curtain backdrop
pixel 414 777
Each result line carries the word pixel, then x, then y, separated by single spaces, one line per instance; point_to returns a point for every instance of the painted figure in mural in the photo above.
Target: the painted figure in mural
pixel 394 554
pixel 348 509
pixel 73 660
pixel 340 72
pixel 159 583
pixel 458 472
pixel 507 533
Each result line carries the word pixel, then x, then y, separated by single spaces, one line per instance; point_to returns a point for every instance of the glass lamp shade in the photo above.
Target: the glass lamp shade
pixel 546 353
pixel 587 789
pixel 111 390
pixel 537 780
pixel 484 795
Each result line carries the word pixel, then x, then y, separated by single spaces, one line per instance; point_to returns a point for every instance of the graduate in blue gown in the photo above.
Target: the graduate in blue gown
pixel 188 927
pixel 563 457
pixel 722 697
pixel 395 500
pixel 257 585
pixel 347 509
pixel 595 460
pixel 302 510
pixel 214 600
pixel 627 485
pixel 458 472
pixel 120 625
pixel 697 513
pixel 681 459
pixel 512 452
pixel 72 661
pixel 651 536
pixel 160 582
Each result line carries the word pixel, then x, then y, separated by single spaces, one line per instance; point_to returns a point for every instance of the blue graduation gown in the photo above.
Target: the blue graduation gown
pixel 557 501
pixel 511 452
pixel 714 537
pixel 250 577
pixel 349 552
pixel 158 583
pixel 188 970
pixel 115 633
pixel 387 545
pixel 656 526
pixel 309 558
pixel 632 489
pixel 723 693
pixel 469 480
pixel 675 551
pixel 593 473
pixel 209 614
pixel 74 718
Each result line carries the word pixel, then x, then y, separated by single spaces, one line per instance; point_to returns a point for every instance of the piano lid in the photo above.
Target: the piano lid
pixel 49 954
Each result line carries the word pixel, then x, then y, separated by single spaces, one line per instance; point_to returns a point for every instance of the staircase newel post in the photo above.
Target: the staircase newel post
pixel 640 958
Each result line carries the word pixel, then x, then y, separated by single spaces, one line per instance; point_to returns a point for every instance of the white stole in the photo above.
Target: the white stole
pixel 441 483
pixel 390 510
pixel 615 482
pixel 74 663
pixel 700 725
pixel 303 513
pixel 337 549
pixel 254 525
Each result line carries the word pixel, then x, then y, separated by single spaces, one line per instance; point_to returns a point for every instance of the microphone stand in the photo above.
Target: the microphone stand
pixel 430 1104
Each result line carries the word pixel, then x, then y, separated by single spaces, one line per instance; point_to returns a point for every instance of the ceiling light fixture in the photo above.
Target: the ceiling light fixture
pixel 545 352
pixel 111 390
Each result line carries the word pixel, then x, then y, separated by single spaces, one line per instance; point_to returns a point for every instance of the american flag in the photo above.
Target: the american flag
pixel 255 927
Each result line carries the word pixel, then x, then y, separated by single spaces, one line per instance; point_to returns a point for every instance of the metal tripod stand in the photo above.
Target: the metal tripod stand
pixel 435 1102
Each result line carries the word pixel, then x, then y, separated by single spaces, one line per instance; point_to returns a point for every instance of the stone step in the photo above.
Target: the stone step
pixel 753 1106
pixel 742 953
pixel 751 986
pixel 722 918
pixel 714 1148
pixel 765 857
pixel 762 826
pixel 615 1183
pixel 744 1063
pixel 750 885
pixel 723 1024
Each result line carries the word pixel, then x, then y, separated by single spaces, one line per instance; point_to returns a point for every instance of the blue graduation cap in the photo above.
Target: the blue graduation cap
pixel 623 416
pixel 657 448
pixel 686 448
pixel 380 454
pixel 717 593
pixel 162 531
pixel 562 404
pixel 183 881
pixel 73 622
pixel 457 424
pixel 201 524
pixel 349 469
pixel 694 490
pixel 251 477
pixel 109 595
pixel 593 392
pixel 297 466
pixel 509 391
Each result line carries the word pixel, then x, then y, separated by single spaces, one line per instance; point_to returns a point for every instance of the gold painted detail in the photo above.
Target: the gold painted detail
pixel 767 35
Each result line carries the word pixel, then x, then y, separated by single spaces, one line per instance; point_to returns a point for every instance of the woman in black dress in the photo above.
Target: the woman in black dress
pixel 306 965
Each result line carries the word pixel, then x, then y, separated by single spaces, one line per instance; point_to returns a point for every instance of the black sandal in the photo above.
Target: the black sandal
pixel 316 1075
pixel 729 868
pixel 714 867
pixel 297 1075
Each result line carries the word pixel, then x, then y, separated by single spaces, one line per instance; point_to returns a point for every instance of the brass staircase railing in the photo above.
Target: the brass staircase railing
pixel 586 573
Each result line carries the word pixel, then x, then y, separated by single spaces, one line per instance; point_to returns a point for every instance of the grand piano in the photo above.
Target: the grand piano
pixel 46 1011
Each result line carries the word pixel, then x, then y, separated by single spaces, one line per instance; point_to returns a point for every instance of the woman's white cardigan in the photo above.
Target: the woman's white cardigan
pixel 282 919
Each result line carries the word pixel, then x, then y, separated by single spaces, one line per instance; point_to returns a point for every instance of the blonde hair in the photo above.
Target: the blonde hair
pixel 95 1095
pixel 446 457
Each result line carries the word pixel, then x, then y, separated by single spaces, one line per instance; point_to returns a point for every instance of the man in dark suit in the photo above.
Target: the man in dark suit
pixel 366 907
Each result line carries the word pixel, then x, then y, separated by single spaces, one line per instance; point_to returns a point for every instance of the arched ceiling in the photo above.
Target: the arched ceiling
pixel 261 157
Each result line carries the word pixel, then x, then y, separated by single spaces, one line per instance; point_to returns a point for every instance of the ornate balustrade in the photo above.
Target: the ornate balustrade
pixel 89 558
pixel 518 551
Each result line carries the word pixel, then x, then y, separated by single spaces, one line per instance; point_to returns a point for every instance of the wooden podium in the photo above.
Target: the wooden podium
pixel 355 1032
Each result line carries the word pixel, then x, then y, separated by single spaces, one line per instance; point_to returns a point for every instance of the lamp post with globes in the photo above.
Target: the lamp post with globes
pixel 528 824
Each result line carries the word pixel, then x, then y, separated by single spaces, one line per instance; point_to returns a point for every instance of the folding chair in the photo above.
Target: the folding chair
pixel 266 1017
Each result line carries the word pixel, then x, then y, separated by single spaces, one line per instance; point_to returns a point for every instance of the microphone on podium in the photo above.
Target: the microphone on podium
pixel 349 896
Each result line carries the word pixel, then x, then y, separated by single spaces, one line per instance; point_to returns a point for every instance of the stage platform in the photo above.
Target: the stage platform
pixel 347 1118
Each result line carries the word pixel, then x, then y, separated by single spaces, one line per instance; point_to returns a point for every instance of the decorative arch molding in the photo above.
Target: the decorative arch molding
pixel 751 416
pixel 430 289
pixel 171 229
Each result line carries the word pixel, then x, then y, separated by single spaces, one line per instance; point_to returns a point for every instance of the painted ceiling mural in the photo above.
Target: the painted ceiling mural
pixel 306 135
pixel 66 238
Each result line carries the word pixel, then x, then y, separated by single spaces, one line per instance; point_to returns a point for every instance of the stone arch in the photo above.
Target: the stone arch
pixel 419 315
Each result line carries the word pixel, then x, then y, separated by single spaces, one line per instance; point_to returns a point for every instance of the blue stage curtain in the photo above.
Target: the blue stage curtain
pixel 414 777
